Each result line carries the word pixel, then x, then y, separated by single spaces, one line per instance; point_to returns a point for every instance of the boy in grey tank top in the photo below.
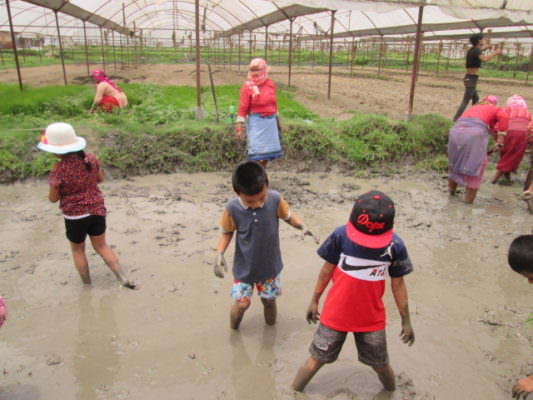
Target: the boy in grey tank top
pixel 253 215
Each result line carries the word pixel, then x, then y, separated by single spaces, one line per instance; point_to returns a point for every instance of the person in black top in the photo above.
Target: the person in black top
pixel 474 57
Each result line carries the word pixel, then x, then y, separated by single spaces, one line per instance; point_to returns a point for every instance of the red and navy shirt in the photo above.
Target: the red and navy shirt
pixel 354 301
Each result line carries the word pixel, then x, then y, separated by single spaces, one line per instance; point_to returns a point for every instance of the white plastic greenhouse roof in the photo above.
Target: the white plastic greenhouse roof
pixel 311 17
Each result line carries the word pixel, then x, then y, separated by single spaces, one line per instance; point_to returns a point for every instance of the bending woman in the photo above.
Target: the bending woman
pixel 467 145
pixel 258 103
pixel 513 143
pixel 108 94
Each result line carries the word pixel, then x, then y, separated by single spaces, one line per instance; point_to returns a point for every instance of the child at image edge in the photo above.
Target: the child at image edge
pixel 357 257
pixel 74 183
pixel 254 215
pixel 520 259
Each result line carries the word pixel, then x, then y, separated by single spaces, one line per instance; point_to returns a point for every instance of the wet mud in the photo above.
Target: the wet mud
pixel 171 338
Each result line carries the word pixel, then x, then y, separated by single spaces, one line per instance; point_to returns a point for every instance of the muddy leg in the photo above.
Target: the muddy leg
pixel 496 176
pixel 386 377
pixel 237 312
pixel 529 179
pixel 470 195
pixel 452 187
pixel 305 373
pixel 108 255
pixel 270 311
pixel 80 261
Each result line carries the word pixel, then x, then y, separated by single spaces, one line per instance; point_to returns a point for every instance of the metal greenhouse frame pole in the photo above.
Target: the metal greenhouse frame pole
pixel 266 42
pixel 127 35
pixel 438 57
pixel 239 52
pixel 415 61
pixel 380 54
pixel 102 46
pixel 353 55
pixel 199 111
pixel 61 49
pixel 14 43
pixel 86 48
pixel 250 44
pixel 114 52
pixel 331 52
pixel 290 50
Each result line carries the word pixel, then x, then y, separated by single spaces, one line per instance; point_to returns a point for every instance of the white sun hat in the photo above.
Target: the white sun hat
pixel 60 138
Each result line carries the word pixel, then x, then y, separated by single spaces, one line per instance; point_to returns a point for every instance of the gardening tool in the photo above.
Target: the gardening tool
pixel 213 90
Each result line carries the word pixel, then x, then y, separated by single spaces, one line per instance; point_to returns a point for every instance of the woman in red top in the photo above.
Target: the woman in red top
pixel 467 145
pixel 258 108
pixel 74 183
pixel 512 143
pixel 108 95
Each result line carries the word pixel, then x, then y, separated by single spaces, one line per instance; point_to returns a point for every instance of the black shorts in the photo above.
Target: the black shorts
pixel 77 229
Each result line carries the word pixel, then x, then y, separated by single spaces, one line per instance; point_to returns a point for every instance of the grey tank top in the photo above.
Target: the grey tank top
pixel 257 251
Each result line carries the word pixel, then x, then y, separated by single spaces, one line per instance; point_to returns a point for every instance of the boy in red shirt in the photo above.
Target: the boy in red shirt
pixel 357 257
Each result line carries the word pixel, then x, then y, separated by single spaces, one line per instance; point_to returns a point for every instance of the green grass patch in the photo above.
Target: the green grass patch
pixel 158 132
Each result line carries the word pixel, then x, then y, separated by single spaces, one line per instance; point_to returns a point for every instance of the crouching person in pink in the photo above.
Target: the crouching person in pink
pixel 108 95
pixel 358 256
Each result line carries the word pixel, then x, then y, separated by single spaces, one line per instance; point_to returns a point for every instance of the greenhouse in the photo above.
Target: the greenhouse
pixel 198 119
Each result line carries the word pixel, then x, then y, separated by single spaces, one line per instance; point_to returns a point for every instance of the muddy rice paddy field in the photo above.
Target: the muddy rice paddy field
pixel 171 337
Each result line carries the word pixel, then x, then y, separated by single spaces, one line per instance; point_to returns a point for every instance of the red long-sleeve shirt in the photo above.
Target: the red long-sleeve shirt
pixel 495 117
pixel 264 103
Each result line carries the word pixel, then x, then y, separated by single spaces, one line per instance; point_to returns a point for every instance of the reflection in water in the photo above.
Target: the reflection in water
pixel 253 379
pixel 95 356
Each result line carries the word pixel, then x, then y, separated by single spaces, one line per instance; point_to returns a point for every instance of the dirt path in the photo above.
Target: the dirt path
pixel 362 92
pixel 171 338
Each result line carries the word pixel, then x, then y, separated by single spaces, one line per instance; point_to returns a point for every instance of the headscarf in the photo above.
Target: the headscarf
pixel 100 76
pixel 517 107
pixel 257 75
pixel 516 100
pixel 491 99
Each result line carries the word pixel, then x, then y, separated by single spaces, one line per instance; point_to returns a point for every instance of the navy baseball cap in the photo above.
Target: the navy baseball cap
pixel 371 220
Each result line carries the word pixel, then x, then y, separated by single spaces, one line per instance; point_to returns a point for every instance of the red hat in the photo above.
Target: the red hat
pixel 371 220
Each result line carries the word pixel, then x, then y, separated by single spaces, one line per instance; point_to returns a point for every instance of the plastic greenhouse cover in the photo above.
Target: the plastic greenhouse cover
pixel 166 16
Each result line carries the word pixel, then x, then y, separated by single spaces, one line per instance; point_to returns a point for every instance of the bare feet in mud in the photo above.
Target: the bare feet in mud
pixel 130 285
pixel 527 196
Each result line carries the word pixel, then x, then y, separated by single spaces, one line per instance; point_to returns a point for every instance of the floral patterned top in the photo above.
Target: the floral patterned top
pixel 78 187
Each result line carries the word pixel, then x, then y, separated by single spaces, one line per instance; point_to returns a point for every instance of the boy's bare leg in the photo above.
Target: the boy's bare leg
pixel 270 310
pixel 470 195
pixel 452 187
pixel 237 312
pixel 386 377
pixel 80 261
pixel 305 373
pixel 263 163
pixel 108 255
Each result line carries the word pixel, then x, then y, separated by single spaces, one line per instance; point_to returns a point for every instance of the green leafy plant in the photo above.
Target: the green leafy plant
pixel 158 132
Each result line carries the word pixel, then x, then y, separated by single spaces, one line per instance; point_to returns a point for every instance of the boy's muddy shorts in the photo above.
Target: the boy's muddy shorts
pixel 268 289
pixel 371 346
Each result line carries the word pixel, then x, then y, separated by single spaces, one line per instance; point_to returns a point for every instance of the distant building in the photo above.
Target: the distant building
pixel 24 40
